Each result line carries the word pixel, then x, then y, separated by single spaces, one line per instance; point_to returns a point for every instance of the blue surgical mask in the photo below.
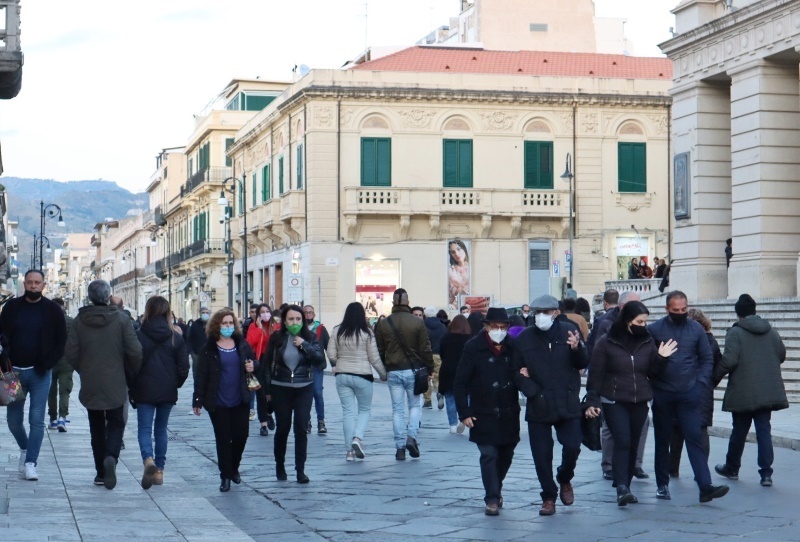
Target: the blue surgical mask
pixel 205 316
pixel 226 332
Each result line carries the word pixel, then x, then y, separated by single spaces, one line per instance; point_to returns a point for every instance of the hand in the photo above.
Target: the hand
pixel 524 372
pixel 248 366
pixel 298 341
pixel 573 339
pixel 469 422
pixel 592 412
pixel 196 411
pixel 668 348
pixel 269 398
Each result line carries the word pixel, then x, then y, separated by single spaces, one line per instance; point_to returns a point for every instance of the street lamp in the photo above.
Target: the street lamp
pixel 164 233
pixel 224 202
pixel 47 211
pixel 226 219
pixel 132 251
pixel 568 176
pixel 39 242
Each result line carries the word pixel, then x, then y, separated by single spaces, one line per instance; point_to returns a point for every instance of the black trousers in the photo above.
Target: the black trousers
pixel 289 402
pixel 231 429
pixel 569 436
pixel 676 447
pixel 261 406
pixel 625 421
pixel 106 428
pixel 495 462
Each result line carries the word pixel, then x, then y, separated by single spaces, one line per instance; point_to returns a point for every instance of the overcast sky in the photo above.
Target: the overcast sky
pixel 107 84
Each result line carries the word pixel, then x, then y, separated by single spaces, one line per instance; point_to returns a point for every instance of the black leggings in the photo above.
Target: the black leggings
pixel 625 421
pixel 287 402
pixel 231 429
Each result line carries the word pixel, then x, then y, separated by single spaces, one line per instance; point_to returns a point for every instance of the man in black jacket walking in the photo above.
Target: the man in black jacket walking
pixel 548 358
pixel 197 337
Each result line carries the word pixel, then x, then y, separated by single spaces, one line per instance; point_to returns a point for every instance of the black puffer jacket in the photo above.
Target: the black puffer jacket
pixel 165 364
pixel 274 369
pixel 206 383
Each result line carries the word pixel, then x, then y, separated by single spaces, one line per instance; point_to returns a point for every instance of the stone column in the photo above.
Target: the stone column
pixel 702 127
pixel 765 158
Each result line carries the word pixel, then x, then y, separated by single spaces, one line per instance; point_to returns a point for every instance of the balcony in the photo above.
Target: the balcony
pixel 150 269
pixel 127 277
pixel 293 204
pixel 159 216
pixel 205 175
pixel 95 240
pixel 208 246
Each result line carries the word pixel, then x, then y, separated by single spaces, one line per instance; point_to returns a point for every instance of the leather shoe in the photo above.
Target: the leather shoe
pixel 766 481
pixel 727 472
pixel 271 423
pixel 264 431
pixel 548 508
pixel 491 510
pixel 566 494
pixel 624 496
pixel 608 475
pixel 640 474
pixel 280 474
pixel 302 478
pixel 236 478
pixel 400 454
pixel 225 485
pixel 663 493
pixel 713 492
pixel 412 446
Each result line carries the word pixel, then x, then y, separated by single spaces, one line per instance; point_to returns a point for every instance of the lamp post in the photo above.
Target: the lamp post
pixel 568 176
pixel 47 211
pixel 164 233
pixel 132 251
pixel 229 261
pixel 224 202
pixel 39 242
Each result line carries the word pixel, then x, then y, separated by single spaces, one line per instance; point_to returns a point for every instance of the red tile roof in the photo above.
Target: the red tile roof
pixel 531 63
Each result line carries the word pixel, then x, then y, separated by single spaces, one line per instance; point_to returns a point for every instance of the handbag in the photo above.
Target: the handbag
pixel 10 386
pixel 421 372
pixel 590 429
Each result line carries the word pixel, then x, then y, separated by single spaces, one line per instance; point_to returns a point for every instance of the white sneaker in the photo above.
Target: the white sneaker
pixel 30 472
pixel 22 454
pixel 460 428
pixel 453 429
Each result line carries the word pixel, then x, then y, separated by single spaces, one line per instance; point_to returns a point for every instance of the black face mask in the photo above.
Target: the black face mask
pixel 678 318
pixel 638 331
pixel 309 321
pixel 33 296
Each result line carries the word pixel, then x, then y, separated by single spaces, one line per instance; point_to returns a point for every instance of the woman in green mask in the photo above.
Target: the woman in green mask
pixel 290 355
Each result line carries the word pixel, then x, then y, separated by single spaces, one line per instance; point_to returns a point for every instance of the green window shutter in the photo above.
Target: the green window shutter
pixel 280 175
pixel 457 158
pixel 194 228
pixel 368 165
pixel 465 163
pixel 450 150
pixel 299 166
pixel 632 166
pixel 265 184
pixel 228 145
pixel 538 164
pixel 384 160
pixel 254 190
pixel 376 161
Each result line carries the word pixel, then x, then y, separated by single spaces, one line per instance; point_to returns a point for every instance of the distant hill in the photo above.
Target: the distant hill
pixel 83 204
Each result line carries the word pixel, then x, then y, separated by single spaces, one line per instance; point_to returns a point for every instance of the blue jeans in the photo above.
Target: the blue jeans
pixel 147 433
pixel 319 402
pixel 356 396
pixel 38 387
pixel 401 388
pixel 450 406
pixel 741 426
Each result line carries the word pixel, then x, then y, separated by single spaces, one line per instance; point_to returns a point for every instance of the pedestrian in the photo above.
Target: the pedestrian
pixel 289 361
pixel 61 385
pixel 197 338
pixel 488 402
pixel 258 335
pixel 527 317
pixel 548 358
pixel 610 304
pixel 583 308
pixel 661 268
pixel 177 323
pixel 221 388
pixel 34 332
pixel 619 381
pixel 436 331
pixel 322 337
pixel 570 292
pixel 664 284
pixel 633 269
pixel 165 367
pixel 404 345
pixel 252 316
pixel 450 350
pixel 728 251
pixel 752 360
pixel 443 317
pixel 103 348
pixel 353 353
pixel 475 320
pixel 570 312
pixel 678 391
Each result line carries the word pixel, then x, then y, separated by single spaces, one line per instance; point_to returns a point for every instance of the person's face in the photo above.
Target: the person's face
pixel 34 282
pixel 489 326
pixel 418 314
pixel 526 310
pixel 253 314
pixel 640 320
pixel 457 253
pixel 293 317
pixel 677 306
pixel 264 313
pixel 309 313
pixel 635 261
pixel 227 321
pixel 205 312
pixel 548 312
pixel 465 312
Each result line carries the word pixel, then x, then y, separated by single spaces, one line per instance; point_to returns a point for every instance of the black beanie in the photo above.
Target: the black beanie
pixel 746 306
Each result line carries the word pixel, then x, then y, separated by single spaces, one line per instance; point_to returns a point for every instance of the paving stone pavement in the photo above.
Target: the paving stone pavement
pixel 378 499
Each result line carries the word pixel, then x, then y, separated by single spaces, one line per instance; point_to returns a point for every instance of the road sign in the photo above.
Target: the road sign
pixel 295 290
pixel 556 268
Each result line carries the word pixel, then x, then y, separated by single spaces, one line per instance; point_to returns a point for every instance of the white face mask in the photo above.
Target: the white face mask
pixel 544 321
pixel 497 335
pixel 265 317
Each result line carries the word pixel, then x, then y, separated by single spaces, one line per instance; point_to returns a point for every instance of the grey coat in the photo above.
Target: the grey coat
pixel 752 360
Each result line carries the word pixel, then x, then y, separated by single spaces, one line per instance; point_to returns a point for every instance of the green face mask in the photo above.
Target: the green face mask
pixel 294 329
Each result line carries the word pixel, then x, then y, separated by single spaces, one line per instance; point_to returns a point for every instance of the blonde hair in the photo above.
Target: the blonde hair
pixel 698 316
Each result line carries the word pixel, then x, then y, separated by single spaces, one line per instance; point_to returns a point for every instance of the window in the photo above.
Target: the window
pixel 539 164
pixel 266 184
pixel 457 155
pixel 632 165
pixel 376 161
pixel 228 145
pixel 299 166
pixel 253 190
pixel 203 157
pixel 280 174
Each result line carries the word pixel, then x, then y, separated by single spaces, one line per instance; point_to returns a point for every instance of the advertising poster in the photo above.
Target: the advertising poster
pixel 458 271
pixel 477 303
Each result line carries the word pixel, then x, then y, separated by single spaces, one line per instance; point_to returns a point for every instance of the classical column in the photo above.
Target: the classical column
pixel 702 128
pixel 765 156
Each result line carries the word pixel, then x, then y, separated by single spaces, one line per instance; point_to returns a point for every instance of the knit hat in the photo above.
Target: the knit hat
pixel 746 306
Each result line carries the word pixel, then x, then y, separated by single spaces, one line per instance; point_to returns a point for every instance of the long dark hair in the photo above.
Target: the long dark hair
pixel 156 307
pixel 353 323
pixel 304 331
pixel 629 312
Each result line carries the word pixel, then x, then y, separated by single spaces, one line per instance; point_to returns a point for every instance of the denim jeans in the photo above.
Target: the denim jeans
pixel 148 433
pixel 319 402
pixel 38 388
pixel 401 390
pixel 450 406
pixel 356 396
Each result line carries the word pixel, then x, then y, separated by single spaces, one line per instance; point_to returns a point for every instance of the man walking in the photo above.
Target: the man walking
pixel 677 393
pixel 403 345
pixel 548 358
pixel 436 331
pixel 61 385
pixel 752 360
pixel 197 337
pixel 103 348
pixel 323 337
pixel 33 332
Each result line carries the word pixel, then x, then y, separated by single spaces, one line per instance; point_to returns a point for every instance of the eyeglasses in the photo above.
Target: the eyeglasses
pixel 308 312
pixel 504 327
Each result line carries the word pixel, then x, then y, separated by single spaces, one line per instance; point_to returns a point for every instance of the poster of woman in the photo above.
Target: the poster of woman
pixel 458 271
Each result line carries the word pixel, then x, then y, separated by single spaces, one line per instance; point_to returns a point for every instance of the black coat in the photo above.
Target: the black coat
pixel 196 337
pixel 450 350
pixel 165 364
pixel 53 337
pixel 436 331
pixel 206 380
pixel 274 368
pixel 707 406
pixel 484 390
pixel 553 388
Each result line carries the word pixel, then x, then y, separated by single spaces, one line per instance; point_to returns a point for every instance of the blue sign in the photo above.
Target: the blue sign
pixel 556 268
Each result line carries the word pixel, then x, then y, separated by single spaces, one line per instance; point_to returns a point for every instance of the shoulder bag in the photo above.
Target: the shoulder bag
pixel 10 386
pixel 421 371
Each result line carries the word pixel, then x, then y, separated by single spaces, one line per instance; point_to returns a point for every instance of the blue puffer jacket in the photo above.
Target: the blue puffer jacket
pixel 692 363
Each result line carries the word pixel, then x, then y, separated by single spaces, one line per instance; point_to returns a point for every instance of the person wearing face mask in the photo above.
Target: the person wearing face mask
pixel 258 338
pixel 548 358
pixel 290 358
pixel 678 392
pixel 526 315
pixel 488 402
pixel 221 388
pixel 619 381
pixel 33 331
pixel 323 337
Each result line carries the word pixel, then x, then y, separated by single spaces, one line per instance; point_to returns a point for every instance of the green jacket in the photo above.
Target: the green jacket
pixel 752 360
pixel 412 331
pixel 63 365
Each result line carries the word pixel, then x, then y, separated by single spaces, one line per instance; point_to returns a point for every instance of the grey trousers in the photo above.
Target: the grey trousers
pixel 607 441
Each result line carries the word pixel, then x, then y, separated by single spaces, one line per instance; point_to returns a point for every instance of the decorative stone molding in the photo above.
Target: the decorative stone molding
pixel 516 226
pixel 457 125
pixel 375 122
pixel 498 120
pixel 351 221
pixel 459 229
pixel 434 223
pixel 539 229
pixel 633 202
pixel 290 231
pixel 323 117
pixel 486 225
pixel 346 116
pixel 273 234
pixel 566 119
pixel 661 123
pixel 589 123
pixel 416 118
pixel 405 224
pixel 538 126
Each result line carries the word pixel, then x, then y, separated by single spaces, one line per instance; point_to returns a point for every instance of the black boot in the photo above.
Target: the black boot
pixel 280 473
pixel 225 485
pixel 624 495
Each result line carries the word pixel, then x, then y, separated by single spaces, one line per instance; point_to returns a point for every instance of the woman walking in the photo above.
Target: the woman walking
pixel 353 353
pixel 165 367
pixel 221 388
pixel 450 350
pixel 258 334
pixel 288 361
pixel 622 362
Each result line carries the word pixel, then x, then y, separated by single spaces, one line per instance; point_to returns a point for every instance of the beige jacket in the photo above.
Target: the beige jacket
pixel 348 357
